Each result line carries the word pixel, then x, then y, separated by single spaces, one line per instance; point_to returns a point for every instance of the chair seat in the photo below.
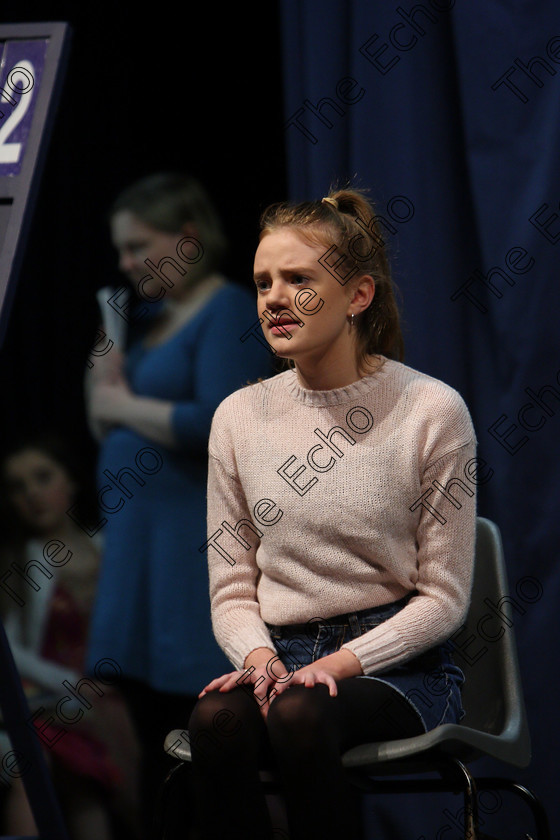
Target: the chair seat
pixel 450 739
pixel 402 756
pixel 177 744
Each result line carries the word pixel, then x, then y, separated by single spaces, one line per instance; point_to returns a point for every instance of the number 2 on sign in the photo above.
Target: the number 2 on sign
pixel 10 152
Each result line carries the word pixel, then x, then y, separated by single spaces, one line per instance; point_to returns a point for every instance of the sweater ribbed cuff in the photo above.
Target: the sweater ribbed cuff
pixel 238 647
pixel 389 648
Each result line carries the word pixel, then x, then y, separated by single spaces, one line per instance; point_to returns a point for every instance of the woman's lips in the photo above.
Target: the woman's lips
pixel 280 323
pixel 281 327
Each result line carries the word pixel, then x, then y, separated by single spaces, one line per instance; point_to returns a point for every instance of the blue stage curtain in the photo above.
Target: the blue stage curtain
pixel 449 112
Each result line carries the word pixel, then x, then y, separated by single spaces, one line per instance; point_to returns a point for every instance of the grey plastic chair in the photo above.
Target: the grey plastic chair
pixel 495 724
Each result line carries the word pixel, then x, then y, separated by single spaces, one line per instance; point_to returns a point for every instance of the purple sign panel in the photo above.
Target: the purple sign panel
pixel 21 69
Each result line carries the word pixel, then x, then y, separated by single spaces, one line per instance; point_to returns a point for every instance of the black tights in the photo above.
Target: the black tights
pixel 302 740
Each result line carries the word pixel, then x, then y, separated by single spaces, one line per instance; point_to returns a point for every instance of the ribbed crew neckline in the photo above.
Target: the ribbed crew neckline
pixel 338 396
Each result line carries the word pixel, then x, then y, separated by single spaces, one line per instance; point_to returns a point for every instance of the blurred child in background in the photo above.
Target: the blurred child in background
pixel 93 762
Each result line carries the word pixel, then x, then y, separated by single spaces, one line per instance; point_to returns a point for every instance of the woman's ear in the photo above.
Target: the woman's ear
pixel 363 294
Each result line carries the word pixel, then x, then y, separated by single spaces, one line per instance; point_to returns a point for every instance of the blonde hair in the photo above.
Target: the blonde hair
pixel 345 221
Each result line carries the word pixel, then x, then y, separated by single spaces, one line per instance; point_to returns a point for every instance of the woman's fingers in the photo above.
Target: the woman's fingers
pixel 308 677
pixel 227 682
pixel 325 678
pixel 109 366
pixel 265 686
pixel 331 683
pixel 218 682
pixel 232 681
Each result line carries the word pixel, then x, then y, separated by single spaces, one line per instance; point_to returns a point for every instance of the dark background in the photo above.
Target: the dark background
pixel 186 88
pixel 432 121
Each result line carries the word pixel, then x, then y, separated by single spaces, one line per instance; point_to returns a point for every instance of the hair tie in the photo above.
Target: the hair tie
pixel 332 201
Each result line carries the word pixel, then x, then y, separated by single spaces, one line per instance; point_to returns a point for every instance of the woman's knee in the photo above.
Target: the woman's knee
pixel 204 712
pixel 299 711
pixel 223 723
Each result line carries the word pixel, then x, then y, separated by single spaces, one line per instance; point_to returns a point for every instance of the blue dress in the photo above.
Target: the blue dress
pixel 152 610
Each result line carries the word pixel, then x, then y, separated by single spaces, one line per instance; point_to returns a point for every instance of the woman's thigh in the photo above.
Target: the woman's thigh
pixel 362 711
pixel 371 710
pixel 227 725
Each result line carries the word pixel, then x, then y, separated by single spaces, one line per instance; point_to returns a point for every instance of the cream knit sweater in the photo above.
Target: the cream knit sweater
pixel 327 502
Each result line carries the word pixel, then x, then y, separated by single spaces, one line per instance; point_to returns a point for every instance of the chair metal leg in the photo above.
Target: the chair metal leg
pixel 471 805
pixel 460 780
pixel 536 806
pixel 455 778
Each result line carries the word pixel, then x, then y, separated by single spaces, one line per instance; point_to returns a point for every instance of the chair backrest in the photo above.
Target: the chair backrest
pixel 485 646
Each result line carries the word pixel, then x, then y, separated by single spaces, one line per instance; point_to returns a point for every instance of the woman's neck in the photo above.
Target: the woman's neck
pixel 177 311
pixel 343 372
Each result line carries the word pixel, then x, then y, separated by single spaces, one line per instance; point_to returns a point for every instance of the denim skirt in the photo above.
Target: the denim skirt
pixel 431 682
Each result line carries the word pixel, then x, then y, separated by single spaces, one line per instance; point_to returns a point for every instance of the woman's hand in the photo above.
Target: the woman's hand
pixel 310 676
pixel 102 402
pixel 258 679
pixel 264 671
pixel 110 402
pixel 108 368
pixel 228 682
pixel 271 678
pixel 326 671
pixel 113 403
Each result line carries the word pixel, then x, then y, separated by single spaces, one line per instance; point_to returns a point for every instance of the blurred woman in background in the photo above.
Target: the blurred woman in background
pixel 151 408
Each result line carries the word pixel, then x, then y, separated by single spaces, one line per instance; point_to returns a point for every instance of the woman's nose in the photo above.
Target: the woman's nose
pixel 278 296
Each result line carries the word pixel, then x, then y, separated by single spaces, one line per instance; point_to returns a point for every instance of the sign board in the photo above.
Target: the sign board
pixel 32 63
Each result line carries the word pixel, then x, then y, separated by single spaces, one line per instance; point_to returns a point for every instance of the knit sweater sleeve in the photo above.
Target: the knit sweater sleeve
pixel 445 539
pixel 236 618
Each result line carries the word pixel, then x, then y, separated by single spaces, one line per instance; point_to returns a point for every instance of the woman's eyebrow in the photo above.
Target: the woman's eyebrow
pixel 297 269
pixel 308 270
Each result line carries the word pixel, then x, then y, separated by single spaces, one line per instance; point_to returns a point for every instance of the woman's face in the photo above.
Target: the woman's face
pixel 40 490
pixel 137 242
pixel 288 275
